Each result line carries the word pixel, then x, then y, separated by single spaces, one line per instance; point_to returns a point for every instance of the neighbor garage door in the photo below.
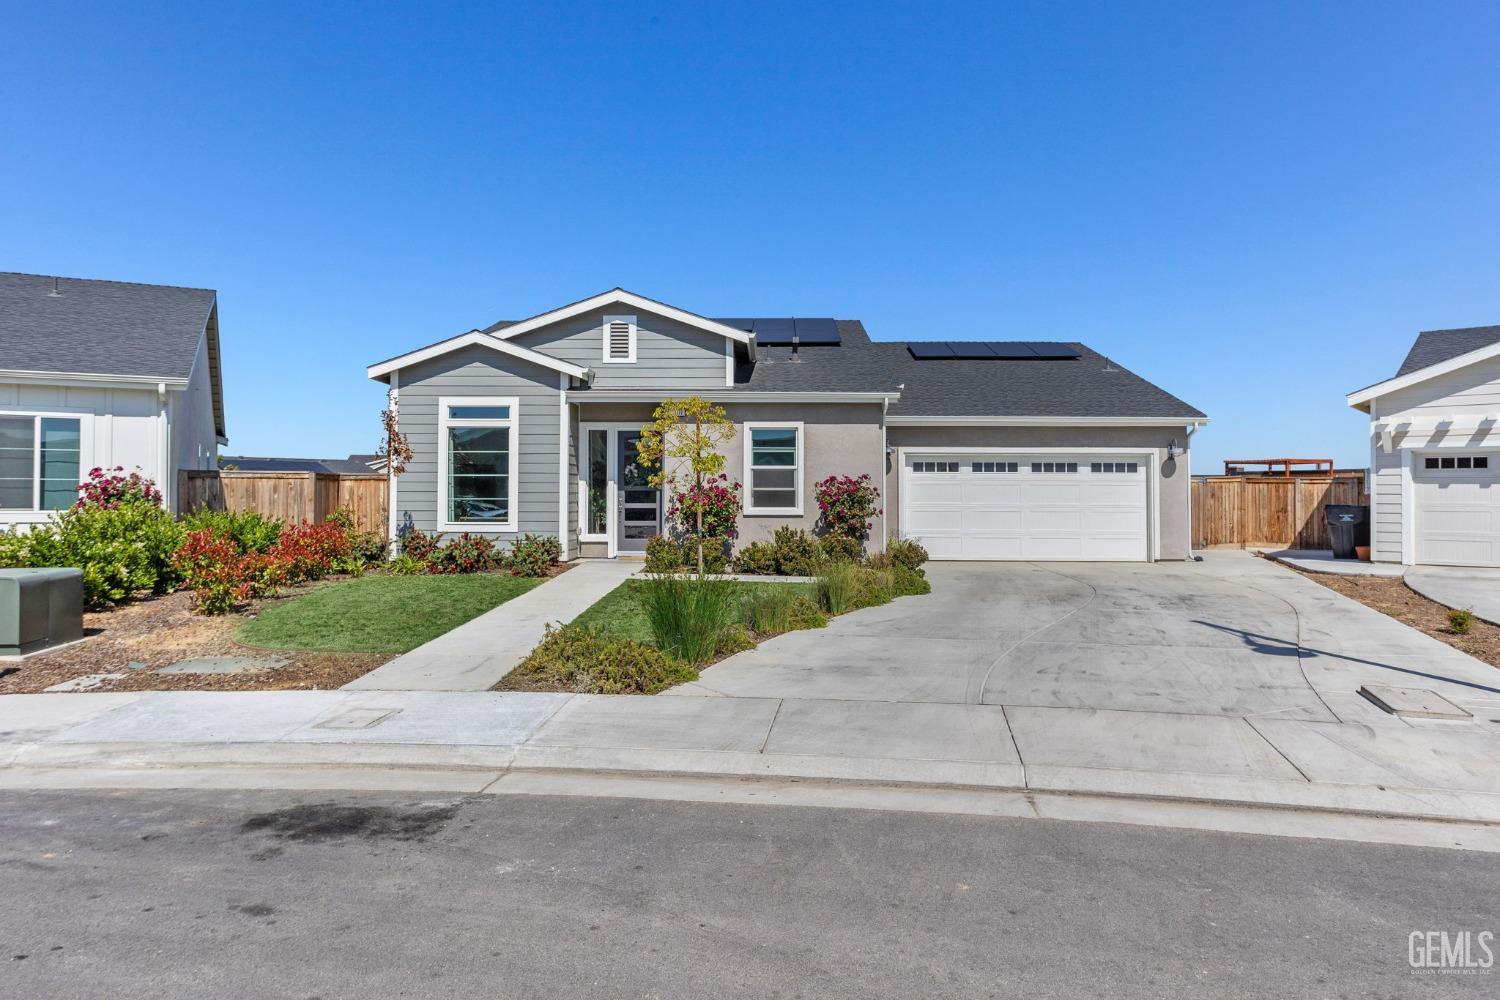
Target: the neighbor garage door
pixel 1053 507
pixel 1458 509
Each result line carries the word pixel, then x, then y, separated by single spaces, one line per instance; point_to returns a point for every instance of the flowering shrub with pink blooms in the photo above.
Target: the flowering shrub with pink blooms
pixel 109 488
pixel 845 505
pixel 719 500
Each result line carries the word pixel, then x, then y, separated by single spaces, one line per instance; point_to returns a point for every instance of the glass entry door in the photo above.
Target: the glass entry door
pixel 638 505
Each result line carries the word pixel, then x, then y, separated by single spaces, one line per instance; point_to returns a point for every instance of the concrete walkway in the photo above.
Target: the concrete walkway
pixel 1470 588
pixel 415 739
pixel 474 656
pixel 1322 561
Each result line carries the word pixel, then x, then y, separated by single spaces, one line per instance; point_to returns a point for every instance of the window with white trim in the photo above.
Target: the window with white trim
pixel 773 468
pixel 934 466
pixel 1115 468
pixel 478 459
pixel 996 467
pixel 1054 466
pixel 40 462
pixel 619 340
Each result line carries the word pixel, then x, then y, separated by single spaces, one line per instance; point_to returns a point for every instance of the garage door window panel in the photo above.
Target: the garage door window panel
pixel 773 468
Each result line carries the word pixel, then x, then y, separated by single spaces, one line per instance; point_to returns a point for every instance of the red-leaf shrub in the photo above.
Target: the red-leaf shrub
pixel 213 568
pixel 532 555
pixel 718 498
pixel 846 505
pixel 465 554
pixel 419 544
pixel 111 488
pixel 312 551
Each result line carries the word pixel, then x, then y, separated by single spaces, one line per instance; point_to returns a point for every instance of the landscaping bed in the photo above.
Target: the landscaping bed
pixel 1391 596
pixel 328 633
pixel 648 635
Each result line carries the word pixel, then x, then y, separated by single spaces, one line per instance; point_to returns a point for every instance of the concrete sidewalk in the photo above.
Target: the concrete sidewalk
pixel 474 656
pixel 1438 771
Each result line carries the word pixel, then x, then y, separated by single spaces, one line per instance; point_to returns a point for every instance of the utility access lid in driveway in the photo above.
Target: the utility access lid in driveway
pixel 1087 507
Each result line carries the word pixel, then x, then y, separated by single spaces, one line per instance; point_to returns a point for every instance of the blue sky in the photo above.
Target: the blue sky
pixel 1256 206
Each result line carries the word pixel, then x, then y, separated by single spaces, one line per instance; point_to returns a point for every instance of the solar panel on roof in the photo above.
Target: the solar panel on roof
pixel 774 331
pixel 930 350
pixel 972 350
pixel 1053 351
pixel 1014 350
pixel 817 331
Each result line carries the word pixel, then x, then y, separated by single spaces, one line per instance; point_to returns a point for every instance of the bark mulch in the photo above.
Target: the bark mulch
pixel 1391 596
pixel 159 631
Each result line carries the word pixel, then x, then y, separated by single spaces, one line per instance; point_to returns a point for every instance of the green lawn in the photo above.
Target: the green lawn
pixel 619 612
pixel 380 614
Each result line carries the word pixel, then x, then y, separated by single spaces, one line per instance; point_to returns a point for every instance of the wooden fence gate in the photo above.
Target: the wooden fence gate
pixel 291 496
pixel 1270 511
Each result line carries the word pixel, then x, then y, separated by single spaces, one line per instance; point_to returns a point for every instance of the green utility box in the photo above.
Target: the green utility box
pixel 39 608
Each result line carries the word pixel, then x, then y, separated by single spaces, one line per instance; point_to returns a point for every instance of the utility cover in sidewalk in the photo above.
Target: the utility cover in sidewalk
pixel 1413 703
pixel 358 718
pixel 225 665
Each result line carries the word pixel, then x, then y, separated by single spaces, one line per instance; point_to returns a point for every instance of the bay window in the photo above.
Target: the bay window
pixel 40 462
pixel 773 468
pixel 477 463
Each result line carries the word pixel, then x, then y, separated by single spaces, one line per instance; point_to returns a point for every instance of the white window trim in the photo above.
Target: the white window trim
pixel 85 447
pixel 750 510
pixel 604 334
pixel 508 526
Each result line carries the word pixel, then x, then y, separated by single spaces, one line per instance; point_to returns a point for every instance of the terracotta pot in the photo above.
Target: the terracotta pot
pixel 1362 553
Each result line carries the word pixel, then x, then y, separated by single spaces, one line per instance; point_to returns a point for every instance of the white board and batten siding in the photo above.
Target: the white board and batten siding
pixel 116 427
pixel 1442 516
pixel 1028 506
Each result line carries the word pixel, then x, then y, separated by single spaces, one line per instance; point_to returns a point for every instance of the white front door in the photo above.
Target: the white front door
pixel 1457 499
pixel 1034 507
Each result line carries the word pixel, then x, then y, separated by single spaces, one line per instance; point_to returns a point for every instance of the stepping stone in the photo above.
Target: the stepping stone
pixel 1413 703
pixel 225 665
pixel 85 683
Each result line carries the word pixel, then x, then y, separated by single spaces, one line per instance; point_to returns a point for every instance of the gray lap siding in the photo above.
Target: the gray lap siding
pixel 670 356
pixel 475 371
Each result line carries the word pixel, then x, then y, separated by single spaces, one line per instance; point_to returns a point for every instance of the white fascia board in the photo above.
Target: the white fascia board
pixel 475 338
pixel 90 380
pixel 657 395
pixel 1046 421
pixel 619 296
pixel 1360 397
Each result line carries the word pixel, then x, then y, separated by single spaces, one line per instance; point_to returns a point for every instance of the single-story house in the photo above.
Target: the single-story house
pixel 103 373
pixel 983 449
pixel 1435 452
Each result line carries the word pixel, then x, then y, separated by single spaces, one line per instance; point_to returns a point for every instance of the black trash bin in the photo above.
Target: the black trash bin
pixel 1348 526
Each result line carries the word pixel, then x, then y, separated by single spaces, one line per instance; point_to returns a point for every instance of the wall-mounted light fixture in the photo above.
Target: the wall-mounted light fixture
pixel 1172 449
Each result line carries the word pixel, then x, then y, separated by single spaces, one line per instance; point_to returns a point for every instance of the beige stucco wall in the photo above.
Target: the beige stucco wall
pixel 1173 475
pixel 839 439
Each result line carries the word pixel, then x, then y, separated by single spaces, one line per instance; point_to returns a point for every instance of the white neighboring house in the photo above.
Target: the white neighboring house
pixel 1435 452
pixel 103 373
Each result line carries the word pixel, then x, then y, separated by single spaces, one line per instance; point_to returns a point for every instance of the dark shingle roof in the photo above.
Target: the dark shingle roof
pixel 1089 386
pixel 100 327
pixel 358 465
pixel 1436 346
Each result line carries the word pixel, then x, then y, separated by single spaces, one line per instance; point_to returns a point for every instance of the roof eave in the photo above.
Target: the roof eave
pixel 1360 399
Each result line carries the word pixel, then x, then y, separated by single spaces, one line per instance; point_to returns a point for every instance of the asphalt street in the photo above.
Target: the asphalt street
pixel 211 895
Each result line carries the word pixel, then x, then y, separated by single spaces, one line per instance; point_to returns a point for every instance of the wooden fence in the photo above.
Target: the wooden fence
pixel 292 496
pixel 1270 511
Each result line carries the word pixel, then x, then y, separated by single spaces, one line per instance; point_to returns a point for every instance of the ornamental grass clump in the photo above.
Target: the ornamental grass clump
pixel 688 615
pixel 586 661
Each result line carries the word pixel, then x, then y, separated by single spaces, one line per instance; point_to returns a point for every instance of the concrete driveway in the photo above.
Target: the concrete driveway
pixel 1230 636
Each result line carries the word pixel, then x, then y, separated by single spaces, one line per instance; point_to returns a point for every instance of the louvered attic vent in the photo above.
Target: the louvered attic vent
pixel 619 339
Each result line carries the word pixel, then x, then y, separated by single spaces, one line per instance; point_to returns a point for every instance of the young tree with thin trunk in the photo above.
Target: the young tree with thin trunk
pixel 682 444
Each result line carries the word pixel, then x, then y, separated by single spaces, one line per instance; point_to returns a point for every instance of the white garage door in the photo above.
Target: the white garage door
pixel 1458 509
pixel 1053 507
